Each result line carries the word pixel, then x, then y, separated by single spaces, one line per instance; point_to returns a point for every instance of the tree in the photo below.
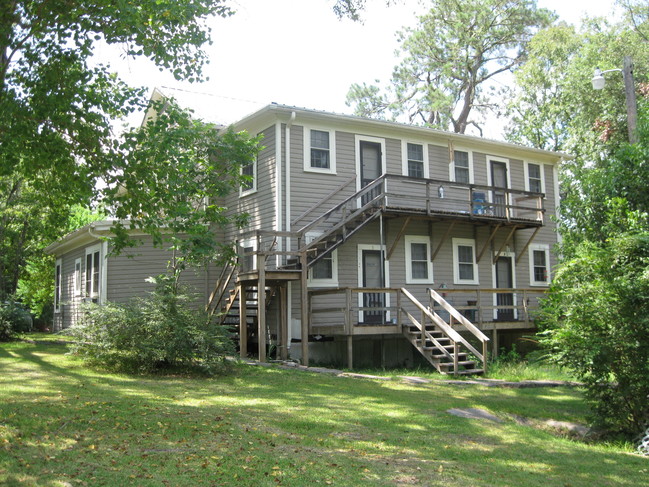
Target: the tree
pixel 599 328
pixel 58 104
pixel 553 105
pixel 449 61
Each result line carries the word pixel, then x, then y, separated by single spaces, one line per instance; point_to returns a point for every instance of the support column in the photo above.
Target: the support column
pixel 243 322
pixel 261 309
pixel 494 342
pixel 304 325
pixel 350 352
pixel 283 323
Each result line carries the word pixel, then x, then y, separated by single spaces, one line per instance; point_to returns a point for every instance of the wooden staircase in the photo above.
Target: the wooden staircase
pixel 439 343
pixel 439 351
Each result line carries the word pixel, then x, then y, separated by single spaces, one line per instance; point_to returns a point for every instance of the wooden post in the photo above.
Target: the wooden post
pixel 350 352
pixel 494 341
pixel 304 325
pixel 631 106
pixel 261 309
pixel 283 323
pixel 243 322
pixel 484 357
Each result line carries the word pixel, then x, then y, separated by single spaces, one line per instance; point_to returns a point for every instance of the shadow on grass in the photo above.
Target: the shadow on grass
pixel 64 422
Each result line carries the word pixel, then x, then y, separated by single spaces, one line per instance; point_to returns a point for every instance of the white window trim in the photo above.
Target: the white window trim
pixel 100 294
pixel 386 277
pixel 253 189
pixel 409 240
pixel 546 249
pixel 58 284
pixel 333 282
pixel 78 277
pixel 404 157
pixel 307 150
pixel 451 165
pixel 357 147
pixel 527 175
pixel 465 242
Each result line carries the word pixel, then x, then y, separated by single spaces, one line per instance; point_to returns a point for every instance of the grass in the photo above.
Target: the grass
pixel 62 424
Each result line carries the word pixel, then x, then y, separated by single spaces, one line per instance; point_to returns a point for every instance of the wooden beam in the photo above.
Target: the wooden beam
pixel 283 322
pixel 491 237
pixel 261 310
pixel 527 244
pixel 398 237
pixel 350 352
pixel 304 325
pixel 500 250
pixel 439 246
pixel 243 322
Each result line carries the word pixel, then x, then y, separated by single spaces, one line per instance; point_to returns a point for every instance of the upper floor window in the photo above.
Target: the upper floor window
pixel 249 185
pixel 465 269
pixel 319 151
pixel 415 160
pixel 539 265
pixel 461 167
pixel 534 179
pixel 419 268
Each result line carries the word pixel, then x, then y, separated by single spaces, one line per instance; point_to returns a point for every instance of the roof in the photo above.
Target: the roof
pixel 267 115
pixel 83 236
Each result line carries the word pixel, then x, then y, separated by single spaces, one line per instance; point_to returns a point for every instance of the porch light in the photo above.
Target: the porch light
pixel 440 192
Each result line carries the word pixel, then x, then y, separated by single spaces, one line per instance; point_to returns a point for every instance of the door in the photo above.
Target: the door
pixel 371 167
pixel 499 180
pixel 373 272
pixel 504 279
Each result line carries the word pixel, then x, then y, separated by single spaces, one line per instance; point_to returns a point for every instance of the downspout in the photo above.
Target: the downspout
pixel 287 209
pixel 278 182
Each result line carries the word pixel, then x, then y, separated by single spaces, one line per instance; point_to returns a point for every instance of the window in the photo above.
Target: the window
pixel 415 160
pixel 93 273
pixel 250 185
pixel 461 167
pixel 58 278
pixel 325 271
pixel 539 265
pixel 319 151
pixel 465 269
pixel 419 268
pixel 534 179
pixel 77 277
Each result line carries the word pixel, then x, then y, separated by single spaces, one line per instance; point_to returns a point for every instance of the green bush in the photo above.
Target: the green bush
pixel 597 316
pixel 146 335
pixel 14 318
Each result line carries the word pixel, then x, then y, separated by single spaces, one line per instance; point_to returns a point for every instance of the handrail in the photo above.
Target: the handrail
pixel 446 328
pixel 220 287
pixel 458 316
pixel 326 198
pixel 355 196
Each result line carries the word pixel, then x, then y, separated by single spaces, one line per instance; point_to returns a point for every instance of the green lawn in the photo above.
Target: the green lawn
pixel 62 424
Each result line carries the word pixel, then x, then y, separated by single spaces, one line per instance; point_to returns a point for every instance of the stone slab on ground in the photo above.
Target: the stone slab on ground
pixel 474 413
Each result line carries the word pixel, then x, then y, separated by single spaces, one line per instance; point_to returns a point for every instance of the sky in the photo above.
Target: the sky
pixel 296 52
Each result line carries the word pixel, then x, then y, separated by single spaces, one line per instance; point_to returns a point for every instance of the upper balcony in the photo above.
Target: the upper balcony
pixel 432 198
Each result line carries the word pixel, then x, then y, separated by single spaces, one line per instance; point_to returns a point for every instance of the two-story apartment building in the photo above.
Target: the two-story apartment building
pixel 373 240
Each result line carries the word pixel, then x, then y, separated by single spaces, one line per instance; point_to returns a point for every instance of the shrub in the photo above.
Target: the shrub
pixel 598 326
pixel 13 319
pixel 157 332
